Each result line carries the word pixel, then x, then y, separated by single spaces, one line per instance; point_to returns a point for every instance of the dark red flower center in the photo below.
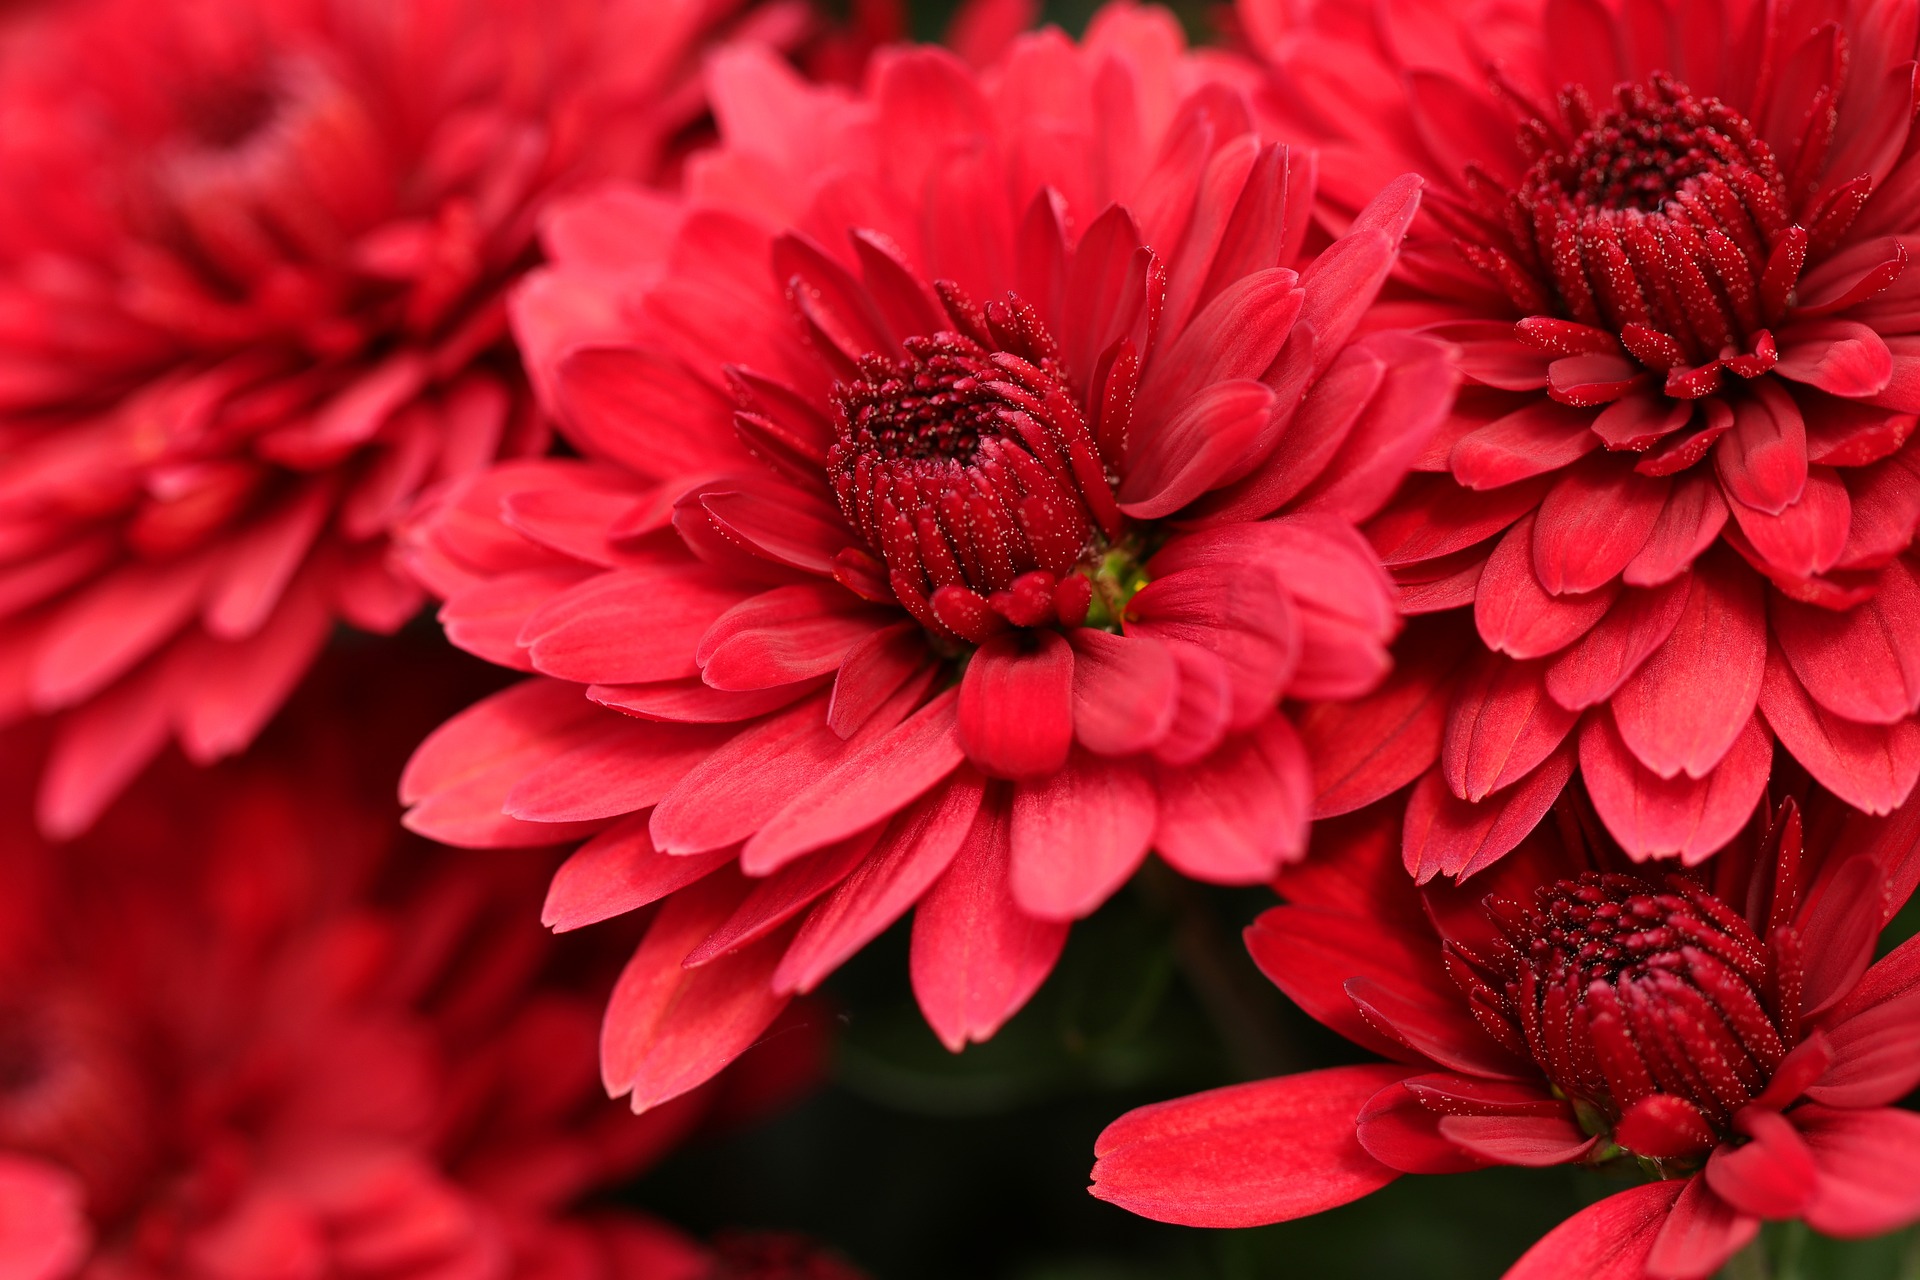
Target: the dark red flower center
pixel 969 469
pixel 1619 988
pixel 1661 235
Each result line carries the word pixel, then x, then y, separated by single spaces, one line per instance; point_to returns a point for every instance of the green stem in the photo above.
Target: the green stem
pixel 1749 1264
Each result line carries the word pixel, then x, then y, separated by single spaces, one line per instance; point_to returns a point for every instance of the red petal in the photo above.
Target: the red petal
pixel 618 871
pixel 783 895
pixel 611 397
pixel 746 778
pixel 1876 1056
pixel 1874 1035
pixel 1540 438
pixel 916 847
pixel 1501 726
pixel 1513 610
pixel 1399 423
pixel 1343 604
pixel 1204 708
pixel 1369 748
pixel 1841 357
pixel 693 701
pixel 1078 835
pixel 1240 612
pixel 785 635
pixel 226 691
pixel 1310 953
pixel 1692 518
pixel 1125 691
pixel 486 619
pixel 1840 929
pixel 881 775
pixel 459 777
pixel 1444 1032
pixel 1653 817
pixel 1700 1235
pixel 620 766
pixel 1016 705
pixel 627 626
pixel 1398 1129
pixel 98 634
pixel 1884 501
pixel 1600 661
pixel 1863 664
pixel 1770 1176
pixel 1681 711
pixel 1872 767
pixel 872 672
pixel 670 1029
pixel 1808 536
pixel 1446 835
pixel 1593 522
pixel 1208 437
pixel 44 1232
pixel 1665 1126
pixel 1247 1154
pixel 976 957
pixel 1604 1241
pixel 1868 1165
pixel 1236 816
pixel 1434 516
pixel 1763 460
pixel 1532 1141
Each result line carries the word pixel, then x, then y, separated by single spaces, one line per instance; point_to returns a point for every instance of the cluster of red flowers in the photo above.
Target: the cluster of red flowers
pixel 1452 463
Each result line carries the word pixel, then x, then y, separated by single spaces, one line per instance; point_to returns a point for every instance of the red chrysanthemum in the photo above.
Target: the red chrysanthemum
pixel 252 264
pixel 237 1038
pixel 1721 1028
pixel 921 552
pixel 1680 487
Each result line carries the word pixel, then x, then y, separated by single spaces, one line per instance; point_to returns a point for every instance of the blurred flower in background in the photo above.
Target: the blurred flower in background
pixel 249 1027
pixel 252 267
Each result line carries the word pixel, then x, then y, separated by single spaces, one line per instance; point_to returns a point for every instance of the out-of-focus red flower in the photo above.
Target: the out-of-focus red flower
pixel 970 472
pixel 241 1034
pixel 1679 490
pixel 1720 1027
pixel 252 264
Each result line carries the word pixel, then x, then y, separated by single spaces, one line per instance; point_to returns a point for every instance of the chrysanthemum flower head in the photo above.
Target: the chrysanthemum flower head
pixel 1680 488
pixel 970 469
pixel 252 266
pixel 1723 1029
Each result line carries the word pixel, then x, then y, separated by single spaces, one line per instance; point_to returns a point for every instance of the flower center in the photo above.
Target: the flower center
pixel 1619 988
pixel 967 466
pixel 1663 222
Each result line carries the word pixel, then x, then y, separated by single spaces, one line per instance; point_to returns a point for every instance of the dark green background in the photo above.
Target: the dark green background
pixel 921 1165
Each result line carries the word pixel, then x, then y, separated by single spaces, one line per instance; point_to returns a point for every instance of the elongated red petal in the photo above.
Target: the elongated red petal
pixel 1867 1169
pixel 1605 1241
pixel 976 956
pixel 1247 1154
pixel 915 848
pixel 669 1029
pixel 1078 834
